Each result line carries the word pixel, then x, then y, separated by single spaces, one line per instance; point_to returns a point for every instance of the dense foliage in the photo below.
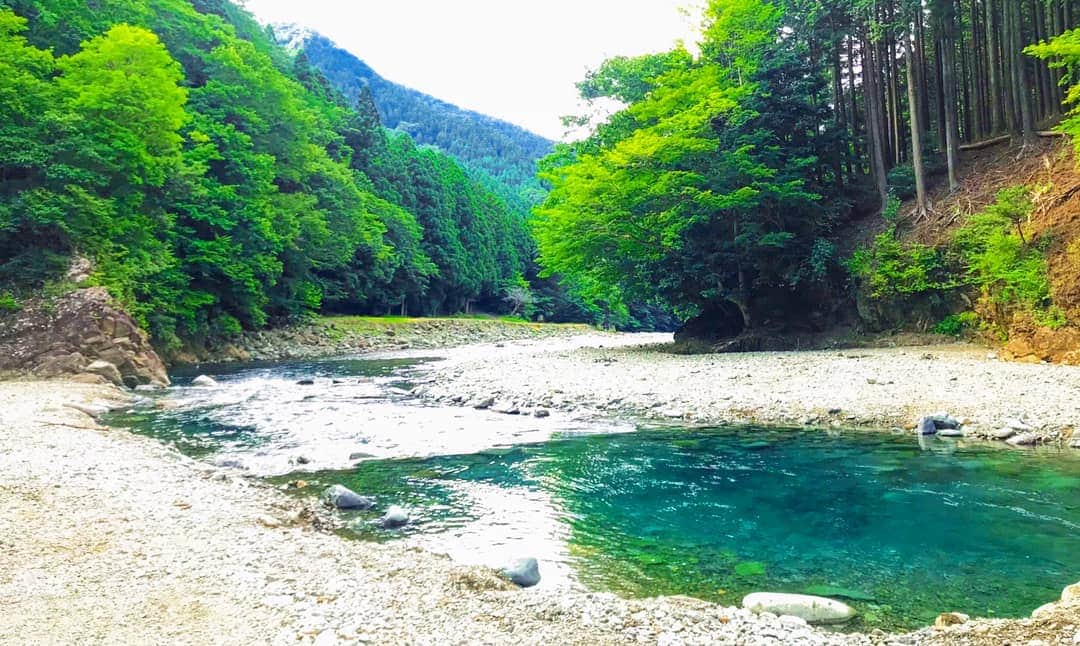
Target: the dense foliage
pixel 218 183
pixel 733 172
pixel 990 252
pixel 711 184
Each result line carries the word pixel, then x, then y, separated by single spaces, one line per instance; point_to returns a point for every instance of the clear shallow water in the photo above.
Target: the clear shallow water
pixel 262 419
pixel 905 530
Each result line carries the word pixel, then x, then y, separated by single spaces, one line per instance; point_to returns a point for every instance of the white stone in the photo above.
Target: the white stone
pixel 203 380
pixel 395 516
pixel 1024 439
pixel 815 610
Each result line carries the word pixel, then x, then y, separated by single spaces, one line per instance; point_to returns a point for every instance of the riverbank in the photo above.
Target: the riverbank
pixel 329 336
pixel 634 376
pixel 113 538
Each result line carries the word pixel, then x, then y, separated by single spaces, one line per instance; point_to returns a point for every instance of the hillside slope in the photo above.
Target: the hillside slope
pixel 1047 229
pixel 506 152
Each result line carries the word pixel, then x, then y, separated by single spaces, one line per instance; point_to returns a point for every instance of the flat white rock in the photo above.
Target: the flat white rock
pixel 815 610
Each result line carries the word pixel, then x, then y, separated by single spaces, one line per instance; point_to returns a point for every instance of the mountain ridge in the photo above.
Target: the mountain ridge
pixel 505 151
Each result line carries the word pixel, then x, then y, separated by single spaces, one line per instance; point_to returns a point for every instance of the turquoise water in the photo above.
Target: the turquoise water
pixel 900 530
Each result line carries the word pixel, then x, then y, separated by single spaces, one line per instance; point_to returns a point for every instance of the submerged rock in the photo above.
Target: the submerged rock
pixel 395 516
pixel 342 497
pixel 204 381
pixel 524 572
pixel 815 610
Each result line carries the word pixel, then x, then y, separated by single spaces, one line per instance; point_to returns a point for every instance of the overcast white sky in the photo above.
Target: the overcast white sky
pixel 513 59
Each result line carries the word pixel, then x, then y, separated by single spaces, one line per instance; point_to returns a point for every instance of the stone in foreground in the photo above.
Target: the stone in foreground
pixel 203 381
pixel 815 610
pixel 344 498
pixel 395 516
pixel 524 572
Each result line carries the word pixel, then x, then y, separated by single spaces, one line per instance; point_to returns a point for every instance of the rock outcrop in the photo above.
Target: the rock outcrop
pixel 82 335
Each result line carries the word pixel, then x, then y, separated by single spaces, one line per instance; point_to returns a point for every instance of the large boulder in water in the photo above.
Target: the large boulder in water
pixel 815 610
pixel 342 497
pixel 717 322
pixel 524 572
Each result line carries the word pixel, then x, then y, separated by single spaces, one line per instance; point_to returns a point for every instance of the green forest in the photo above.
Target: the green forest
pixel 734 180
pixel 220 182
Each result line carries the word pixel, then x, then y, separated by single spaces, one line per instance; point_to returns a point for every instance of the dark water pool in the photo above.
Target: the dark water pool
pixel 902 531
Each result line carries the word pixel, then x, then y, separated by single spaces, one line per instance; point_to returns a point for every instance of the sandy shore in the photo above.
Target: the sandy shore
pixel 107 537
pixel 632 376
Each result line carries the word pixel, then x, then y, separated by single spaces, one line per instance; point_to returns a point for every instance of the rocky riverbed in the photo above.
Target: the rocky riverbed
pixel 635 376
pixel 108 537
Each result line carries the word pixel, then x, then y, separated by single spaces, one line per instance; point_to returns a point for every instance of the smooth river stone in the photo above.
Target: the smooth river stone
pixel 815 610
pixel 344 498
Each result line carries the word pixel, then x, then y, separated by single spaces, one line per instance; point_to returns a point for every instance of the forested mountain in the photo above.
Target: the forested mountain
pixel 506 152
pixel 218 183
pixel 734 173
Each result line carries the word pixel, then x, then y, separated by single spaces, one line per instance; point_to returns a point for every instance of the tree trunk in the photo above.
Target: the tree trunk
pixel 952 135
pixel 1010 79
pixel 978 71
pixel 1020 80
pixel 994 50
pixel 964 72
pixel 875 136
pixel 916 132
